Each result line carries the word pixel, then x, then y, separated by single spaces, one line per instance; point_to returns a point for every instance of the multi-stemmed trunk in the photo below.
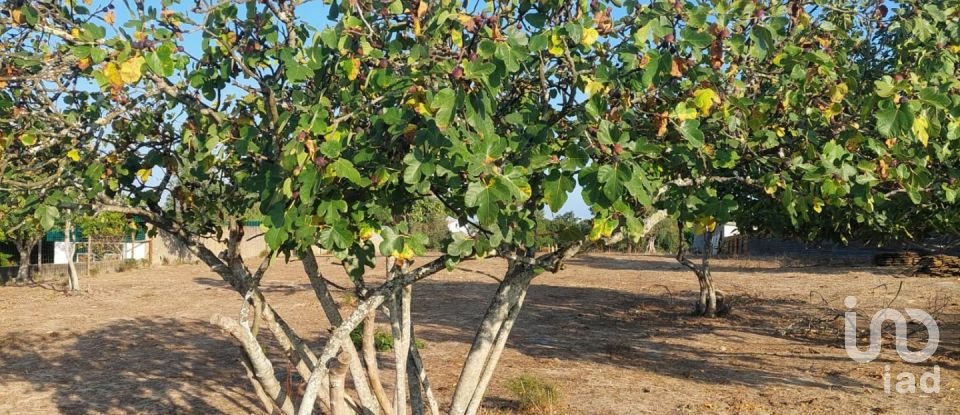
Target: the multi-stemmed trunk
pixel 708 303
pixel 490 339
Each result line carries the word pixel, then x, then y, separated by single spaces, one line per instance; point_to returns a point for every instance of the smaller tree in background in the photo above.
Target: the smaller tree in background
pixel 20 226
pixel 428 217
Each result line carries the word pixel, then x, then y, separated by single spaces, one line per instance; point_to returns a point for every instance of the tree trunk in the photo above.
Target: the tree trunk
pixel 708 296
pixel 416 365
pixel 493 329
pixel 74 279
pixel 373 367
pixel 400 325
pixel 338 395
pixel 23 267
pixel 709 302
pixel 494 359
pixel 262 368
pixel 332 312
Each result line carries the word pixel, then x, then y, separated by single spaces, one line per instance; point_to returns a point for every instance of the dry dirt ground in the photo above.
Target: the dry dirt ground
pixel 612 332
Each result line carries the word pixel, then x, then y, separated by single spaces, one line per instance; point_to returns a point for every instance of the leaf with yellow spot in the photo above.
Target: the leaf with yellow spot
pixel 704 99
pixel 130 70
pixel 410 131
pixel 589 37
pixel 406 254
pixel 73 155
pixel 366 232
pixel 920 125
pixel 354 69
pixel 683 113
pixel 833 110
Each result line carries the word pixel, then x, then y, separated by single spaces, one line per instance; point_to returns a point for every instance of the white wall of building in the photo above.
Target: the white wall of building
pixel 131 250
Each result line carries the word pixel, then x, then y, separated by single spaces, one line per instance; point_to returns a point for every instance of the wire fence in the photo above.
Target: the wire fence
pixel 89 258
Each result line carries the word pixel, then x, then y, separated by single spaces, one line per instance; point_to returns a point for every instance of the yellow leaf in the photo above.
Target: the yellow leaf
pixel 838 91
pixel 354 68
pixel 138 35
pixel 130 70
pixel 88 2
pixel 817 205
pixel 781 132
pixel 704 99
pixel 423 8
pixel 777 59
pixel 589 37
pixel 709 150
pixel 457 36
pixel 556 45
pixel 705 224
pixel 73 155
pixel 955 48
pixel 112 72
pixel 405 255
pixel 803 19
pixel 110 17
pixel 144 174
pixel 593 87
pixel 920 126
pixel 75 32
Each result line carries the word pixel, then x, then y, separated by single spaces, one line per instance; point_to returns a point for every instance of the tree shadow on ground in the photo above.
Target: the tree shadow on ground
pixel 653 332
pixel 145 365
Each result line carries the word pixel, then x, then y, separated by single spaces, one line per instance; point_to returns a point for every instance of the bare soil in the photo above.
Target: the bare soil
pixel 613 333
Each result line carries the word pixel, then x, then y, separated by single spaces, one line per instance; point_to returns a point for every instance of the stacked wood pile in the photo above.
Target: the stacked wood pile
pixel 897 259
pixel 940 266
pixel 920 264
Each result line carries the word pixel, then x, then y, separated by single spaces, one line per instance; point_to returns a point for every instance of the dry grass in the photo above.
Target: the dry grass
pixel 535 395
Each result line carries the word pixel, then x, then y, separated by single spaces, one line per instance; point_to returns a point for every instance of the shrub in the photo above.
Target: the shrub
pixel 534 395
pixel 666 236
pixel 382 340
pixel 128 265
pixel 6 260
